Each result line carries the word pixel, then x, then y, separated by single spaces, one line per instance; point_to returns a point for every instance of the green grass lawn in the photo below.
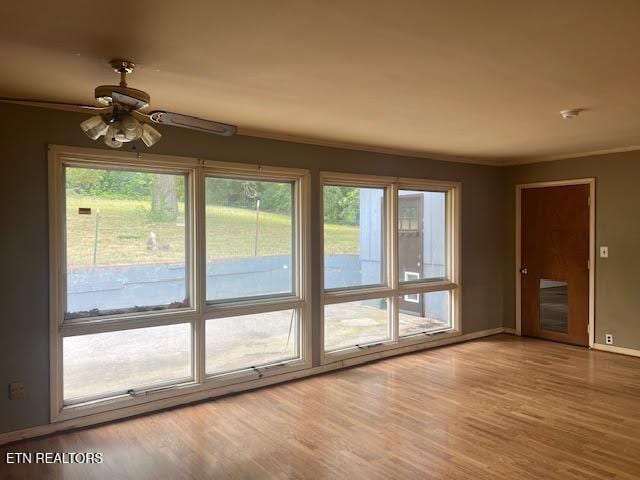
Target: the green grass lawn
pixel 125 225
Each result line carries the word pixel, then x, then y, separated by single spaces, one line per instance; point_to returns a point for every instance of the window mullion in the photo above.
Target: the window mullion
pixel 353 295
pixel 251 308
pixel 392 252
pixel 425 287
pixel 200 274
pixel 71 329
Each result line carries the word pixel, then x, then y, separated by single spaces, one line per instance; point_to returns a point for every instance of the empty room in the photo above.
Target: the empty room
pixel 320 240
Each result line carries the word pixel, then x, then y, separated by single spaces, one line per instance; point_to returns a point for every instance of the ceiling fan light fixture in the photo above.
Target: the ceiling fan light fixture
pixel 94 127
pixel 106 100
pixel 131 129
pixel 121 120
pixel 110 139
pixel 118 131
pixel 150 135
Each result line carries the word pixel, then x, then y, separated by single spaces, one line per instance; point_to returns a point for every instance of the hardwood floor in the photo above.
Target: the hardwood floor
pixel 497 408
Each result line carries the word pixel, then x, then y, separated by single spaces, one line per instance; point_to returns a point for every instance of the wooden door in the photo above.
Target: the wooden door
pixel 411 232
pixel 554 270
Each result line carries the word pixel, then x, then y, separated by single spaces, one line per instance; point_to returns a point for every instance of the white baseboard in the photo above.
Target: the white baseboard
pixel 510 331
pixel 612 349
pixel 164 403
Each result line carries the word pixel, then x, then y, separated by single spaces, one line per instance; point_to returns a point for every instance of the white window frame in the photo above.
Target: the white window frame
pixel 393 289
pixel 199 311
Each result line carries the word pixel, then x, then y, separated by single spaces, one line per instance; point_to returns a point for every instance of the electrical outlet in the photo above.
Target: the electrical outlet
pixel 16 391
pixel 608 339
pixel 604 252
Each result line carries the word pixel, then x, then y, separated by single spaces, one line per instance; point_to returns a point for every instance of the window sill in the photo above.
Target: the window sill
pixel 235 381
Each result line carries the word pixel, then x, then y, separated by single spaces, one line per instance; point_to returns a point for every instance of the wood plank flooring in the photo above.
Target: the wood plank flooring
pixel 498 408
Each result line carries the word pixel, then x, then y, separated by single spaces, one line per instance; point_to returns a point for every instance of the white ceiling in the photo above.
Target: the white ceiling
pixel 479 80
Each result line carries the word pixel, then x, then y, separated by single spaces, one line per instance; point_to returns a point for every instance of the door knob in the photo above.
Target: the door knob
pixel 523 270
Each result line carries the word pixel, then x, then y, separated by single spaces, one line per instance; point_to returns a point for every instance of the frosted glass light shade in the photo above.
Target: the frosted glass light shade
pixel 131 128
pixel 94 127
pixel 110 137
pixel 150 135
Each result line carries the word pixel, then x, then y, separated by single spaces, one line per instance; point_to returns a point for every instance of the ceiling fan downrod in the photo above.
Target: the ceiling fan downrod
pixel 123 67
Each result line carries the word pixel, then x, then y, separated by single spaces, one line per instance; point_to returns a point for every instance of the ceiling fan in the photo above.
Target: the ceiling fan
pixel 121 119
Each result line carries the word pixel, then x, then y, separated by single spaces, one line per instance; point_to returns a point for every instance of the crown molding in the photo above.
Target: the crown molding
pixel 431 156
pixel 553 158
pixel 248 132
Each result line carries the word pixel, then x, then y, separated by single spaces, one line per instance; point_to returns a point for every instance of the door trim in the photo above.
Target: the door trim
pixel 592 240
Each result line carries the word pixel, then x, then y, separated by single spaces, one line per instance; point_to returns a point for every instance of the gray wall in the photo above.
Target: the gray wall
pixel 24 287
pixel 617 301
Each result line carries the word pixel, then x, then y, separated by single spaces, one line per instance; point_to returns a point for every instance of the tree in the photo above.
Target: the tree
pixel 341 205
pixel 164 197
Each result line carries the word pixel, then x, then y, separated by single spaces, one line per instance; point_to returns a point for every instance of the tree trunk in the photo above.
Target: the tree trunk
pixel 164 202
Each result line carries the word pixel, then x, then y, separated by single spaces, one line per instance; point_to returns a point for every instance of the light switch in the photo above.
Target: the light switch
pixel 604 252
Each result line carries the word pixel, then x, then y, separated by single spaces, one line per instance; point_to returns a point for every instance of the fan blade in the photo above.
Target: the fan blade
pixel 140 116
pixel 185 121
pixel 69 107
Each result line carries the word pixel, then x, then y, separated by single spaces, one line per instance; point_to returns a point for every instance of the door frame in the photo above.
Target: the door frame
pixel 592 240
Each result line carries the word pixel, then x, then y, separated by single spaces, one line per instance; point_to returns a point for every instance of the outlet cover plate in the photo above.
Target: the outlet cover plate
pixel 16 391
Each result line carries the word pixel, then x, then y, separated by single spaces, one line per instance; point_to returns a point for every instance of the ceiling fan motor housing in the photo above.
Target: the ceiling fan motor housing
pixel 125 96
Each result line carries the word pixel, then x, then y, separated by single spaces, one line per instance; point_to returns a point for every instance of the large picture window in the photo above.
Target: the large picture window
pixel 172 275
pixel 390 262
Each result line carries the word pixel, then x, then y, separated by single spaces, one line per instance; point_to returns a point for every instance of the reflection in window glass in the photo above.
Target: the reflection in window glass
pixel 425 312
pixel 249 231
pixel 125 242
pixel 355 323
pixel 554 306
pixel 113 363
pixel 246 341
pixel 422 235
pixel 353 233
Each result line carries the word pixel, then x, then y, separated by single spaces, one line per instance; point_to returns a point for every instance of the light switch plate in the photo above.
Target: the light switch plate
pixel 604 252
